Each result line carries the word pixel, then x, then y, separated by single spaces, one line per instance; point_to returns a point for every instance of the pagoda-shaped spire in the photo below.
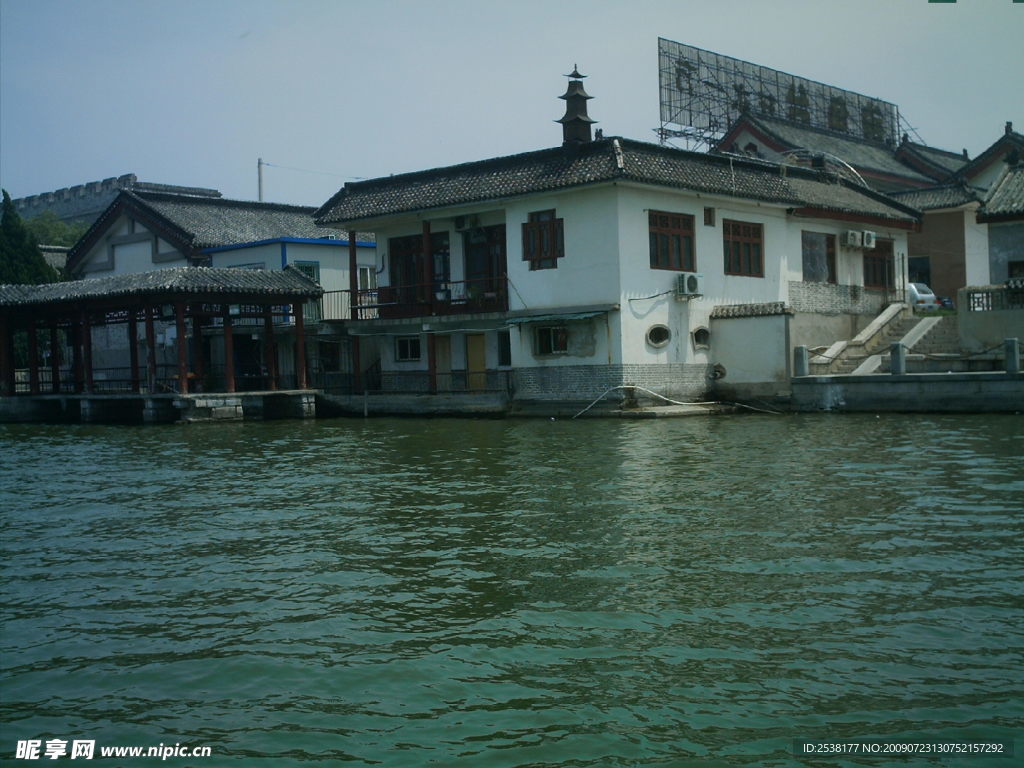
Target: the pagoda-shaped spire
pixel 575 122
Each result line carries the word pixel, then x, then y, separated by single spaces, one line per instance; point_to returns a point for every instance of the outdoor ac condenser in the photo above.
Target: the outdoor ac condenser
pixel 852 238
pixel 689 284
pixel 870 239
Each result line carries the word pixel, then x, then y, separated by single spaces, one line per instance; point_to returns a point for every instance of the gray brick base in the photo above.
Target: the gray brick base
pixel 679 381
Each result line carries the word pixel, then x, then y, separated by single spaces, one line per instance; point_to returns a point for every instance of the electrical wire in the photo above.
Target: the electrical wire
pixel 669 400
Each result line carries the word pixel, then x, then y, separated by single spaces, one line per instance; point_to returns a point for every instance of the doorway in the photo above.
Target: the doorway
pixel 476 362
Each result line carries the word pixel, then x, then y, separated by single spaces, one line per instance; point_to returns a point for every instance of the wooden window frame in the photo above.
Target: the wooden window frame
pixel 543 240
pixel 411 343
pixel 671 241
pixel 743 247
pixel 551 340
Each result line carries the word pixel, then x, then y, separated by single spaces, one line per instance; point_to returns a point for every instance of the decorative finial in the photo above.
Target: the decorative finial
pixel 576 73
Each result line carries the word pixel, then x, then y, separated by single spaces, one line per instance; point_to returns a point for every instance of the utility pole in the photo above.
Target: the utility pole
pixel 259 177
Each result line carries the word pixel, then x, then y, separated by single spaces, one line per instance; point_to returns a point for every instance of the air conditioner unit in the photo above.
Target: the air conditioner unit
pixel 689 284
pixel 870 239
pixel 853 238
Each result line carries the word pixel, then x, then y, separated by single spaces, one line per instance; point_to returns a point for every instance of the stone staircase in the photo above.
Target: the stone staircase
pixel 869 351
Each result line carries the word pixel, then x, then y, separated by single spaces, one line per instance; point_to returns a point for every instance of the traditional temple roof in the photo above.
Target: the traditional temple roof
pixel 602 161
pixel 944 196
pixel 1006 198
pixel 172 282
pixel 862 155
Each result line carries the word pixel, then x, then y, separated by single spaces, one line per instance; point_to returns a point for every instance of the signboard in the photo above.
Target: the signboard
pixel 703 93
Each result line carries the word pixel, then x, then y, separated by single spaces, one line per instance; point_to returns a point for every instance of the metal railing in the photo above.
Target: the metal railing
pixel 990 298
pixel 437 298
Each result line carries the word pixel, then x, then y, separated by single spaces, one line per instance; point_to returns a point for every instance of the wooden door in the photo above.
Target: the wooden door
pixel 476 362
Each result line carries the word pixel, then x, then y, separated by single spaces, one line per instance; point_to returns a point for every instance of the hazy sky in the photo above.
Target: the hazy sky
pixel 192 92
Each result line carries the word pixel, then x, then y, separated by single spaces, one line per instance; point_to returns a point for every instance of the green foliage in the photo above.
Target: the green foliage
pixel 47 229
pixel 20 259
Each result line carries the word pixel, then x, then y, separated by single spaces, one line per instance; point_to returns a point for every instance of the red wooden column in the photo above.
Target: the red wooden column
pixel 33 359
pixel 182 339
pixel 150 350
pixel 198 360
pixel 54 359
pixel 269 347
pixel 86 335
pixel 353 283
pixel 133 350
pixel 301 380
pixel 229 351
pixel 6 358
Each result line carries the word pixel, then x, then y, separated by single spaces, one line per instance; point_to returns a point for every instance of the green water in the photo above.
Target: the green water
pixel 513 593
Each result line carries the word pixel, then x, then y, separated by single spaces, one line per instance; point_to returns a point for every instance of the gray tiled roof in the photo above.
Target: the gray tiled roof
pixel 213 221
pixel 609 159
pixel 863 155
pixel 1006 198
pixel 173 281
pixel 950 162
pixel 932 198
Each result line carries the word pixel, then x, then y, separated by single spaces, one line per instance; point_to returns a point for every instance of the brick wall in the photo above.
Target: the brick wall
pixel 830 299
pixel 679 381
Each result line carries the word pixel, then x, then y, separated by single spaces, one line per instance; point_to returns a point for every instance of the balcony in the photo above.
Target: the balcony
pixel 423 300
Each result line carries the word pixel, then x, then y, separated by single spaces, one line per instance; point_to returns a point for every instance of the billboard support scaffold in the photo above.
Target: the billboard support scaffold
pixel 703 93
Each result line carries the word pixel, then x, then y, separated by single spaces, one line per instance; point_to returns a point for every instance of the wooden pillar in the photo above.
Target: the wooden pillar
pixel 301 380
pixel 269 348
pixel 33 359
pixel 229 351
pixel 182 343
pixel 198 359
pixel 426 292
pixel 77 373
pixel 54 359
pixel 86 332
pixel 353 284
pixel 353 276
pixel 6 357
pixel 432 360
pixel 150 350
pixel 133 350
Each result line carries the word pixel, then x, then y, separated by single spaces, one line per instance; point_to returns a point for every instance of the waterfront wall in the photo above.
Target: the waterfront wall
pixel 922 392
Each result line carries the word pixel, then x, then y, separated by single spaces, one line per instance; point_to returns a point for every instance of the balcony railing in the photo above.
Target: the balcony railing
pixel 441 298
pixel 990 298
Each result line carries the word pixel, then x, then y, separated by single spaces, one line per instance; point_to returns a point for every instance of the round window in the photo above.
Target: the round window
pixel 658 335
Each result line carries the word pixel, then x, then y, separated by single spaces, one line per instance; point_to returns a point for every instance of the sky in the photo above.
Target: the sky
pixel 193 92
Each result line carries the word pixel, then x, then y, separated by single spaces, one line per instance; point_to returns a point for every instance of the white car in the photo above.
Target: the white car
pixel 921 297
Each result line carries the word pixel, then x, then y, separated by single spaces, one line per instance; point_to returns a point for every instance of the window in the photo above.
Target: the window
pixel 658 335
pixel 407 349
pixel 1014 269
pixel 819 252
pixel 878 265
pixel 709 217
pixel 743 244
pixel 504 348
pixel 543 240
pixel 310 269
pixel 366 280
pixel 552 340
pixel 671 236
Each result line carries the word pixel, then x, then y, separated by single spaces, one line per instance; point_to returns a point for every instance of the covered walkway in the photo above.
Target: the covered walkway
pixel 60 324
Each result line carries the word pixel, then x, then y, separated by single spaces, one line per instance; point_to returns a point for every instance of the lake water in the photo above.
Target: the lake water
pixel 511 593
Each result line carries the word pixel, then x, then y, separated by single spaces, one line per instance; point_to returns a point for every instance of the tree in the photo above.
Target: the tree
pixel 20 259
pixel 47 229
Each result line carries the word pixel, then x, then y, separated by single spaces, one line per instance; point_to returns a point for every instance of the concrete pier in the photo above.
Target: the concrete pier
pixel 133 408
